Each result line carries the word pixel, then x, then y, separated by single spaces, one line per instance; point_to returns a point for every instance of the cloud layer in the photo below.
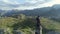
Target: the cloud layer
pixel 26 4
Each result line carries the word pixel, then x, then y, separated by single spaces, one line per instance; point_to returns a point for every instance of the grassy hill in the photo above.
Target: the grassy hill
pixel 28 24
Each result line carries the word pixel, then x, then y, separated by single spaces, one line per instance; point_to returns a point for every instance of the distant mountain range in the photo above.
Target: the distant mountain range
pixel 53 12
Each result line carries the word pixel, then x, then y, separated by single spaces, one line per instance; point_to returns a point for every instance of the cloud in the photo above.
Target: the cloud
pixel 12 4
pixel 34 4
pixel 34 1
pixel 24 1
pixel 6 4
pixel 39 5
pixel 10 1
pixel 26 4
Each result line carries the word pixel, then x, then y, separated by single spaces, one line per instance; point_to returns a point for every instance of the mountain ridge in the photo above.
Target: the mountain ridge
pixel 45 12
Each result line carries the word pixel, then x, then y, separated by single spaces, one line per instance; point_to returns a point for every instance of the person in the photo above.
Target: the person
pixel 38 25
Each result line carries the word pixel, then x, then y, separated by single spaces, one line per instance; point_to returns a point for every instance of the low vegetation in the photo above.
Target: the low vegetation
pixel 26 24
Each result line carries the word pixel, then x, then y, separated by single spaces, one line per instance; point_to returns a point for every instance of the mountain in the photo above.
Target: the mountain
pixel 34 12
pixel 51 12
pixel 56 6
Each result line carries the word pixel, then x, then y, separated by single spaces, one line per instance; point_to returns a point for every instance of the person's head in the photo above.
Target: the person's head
pixel 38 16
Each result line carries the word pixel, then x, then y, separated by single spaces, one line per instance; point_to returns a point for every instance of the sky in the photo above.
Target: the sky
pixel 26 4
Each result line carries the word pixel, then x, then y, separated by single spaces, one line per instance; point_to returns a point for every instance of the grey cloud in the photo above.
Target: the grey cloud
pixel 26 4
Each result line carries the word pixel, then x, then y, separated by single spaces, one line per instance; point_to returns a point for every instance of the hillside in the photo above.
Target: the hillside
pixel 28 24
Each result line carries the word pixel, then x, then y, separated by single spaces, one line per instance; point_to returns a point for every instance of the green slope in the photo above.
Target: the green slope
pixel 50 24
pixel 28 24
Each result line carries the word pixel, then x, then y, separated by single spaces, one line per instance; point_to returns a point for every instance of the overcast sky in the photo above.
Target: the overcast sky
pixel 26 4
